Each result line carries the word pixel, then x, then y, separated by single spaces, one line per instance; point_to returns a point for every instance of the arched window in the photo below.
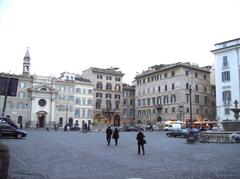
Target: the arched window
pixel 43 89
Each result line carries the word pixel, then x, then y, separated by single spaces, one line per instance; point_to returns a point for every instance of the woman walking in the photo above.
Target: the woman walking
pixel 115 136
pixel 141 142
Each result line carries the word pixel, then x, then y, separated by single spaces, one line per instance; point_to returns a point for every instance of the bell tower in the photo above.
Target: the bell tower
pixel 26 63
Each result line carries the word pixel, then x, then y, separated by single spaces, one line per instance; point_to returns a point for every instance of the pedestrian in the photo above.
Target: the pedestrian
pixel 20 125
pixel 115 136
pixel 108 135
pixel 55 126
pixel 141 141
pixel 85 127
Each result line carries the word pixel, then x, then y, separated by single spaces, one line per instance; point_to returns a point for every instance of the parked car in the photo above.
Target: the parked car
pixel 74 128
pixel 10 131
pixel 130 128
pixel 9 121
pixel 178 133
pixel 183 132
pixel 172 127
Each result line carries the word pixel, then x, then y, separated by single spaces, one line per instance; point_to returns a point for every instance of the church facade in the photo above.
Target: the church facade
pixel 45 100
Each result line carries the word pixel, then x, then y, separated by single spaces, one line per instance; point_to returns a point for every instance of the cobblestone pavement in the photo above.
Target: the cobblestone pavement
pixel 76 155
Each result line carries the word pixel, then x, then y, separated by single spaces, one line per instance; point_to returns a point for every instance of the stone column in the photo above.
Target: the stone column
pixel 33 120
pixel 52 107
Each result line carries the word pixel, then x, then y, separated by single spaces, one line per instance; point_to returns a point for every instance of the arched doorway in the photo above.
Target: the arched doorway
pixel 116 120
pixel 19 119
pixel 70 121
pixel 41 119
pixel 60 122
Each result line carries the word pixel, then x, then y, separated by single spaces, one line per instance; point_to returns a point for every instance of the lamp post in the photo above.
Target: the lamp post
pixel 190 101
pixel 190 138
pixel 65 127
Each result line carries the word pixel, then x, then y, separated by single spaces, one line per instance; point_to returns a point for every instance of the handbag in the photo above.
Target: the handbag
pixel 144 141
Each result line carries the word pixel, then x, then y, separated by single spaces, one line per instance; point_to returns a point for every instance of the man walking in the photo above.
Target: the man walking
pixel 108 135
pixel 141 141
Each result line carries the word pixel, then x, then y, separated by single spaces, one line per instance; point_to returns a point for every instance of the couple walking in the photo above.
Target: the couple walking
pixel 114 135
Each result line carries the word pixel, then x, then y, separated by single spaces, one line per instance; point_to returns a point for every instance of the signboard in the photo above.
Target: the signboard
pixel 8 85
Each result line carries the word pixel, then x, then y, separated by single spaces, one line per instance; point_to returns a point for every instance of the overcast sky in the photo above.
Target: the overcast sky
pixel 73 35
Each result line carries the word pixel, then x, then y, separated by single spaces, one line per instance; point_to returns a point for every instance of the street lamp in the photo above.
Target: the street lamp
pixel 190 138
pixel 65 127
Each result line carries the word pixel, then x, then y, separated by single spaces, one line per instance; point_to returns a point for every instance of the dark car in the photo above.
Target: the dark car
pixel 74 128
pixel 9 121
pixel 183 132
pixel 10 131
pixel 130 128
pixel 178 133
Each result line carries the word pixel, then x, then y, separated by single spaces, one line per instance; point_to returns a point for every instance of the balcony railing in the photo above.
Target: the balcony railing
pixel 158 106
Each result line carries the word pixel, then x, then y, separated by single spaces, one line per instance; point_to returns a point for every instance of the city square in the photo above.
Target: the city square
pixel 73 154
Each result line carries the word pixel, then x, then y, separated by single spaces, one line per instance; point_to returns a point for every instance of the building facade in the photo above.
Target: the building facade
pixel 227 77
pixel 107 94
pixel 163 93
pixel 43 100
pixel 128 105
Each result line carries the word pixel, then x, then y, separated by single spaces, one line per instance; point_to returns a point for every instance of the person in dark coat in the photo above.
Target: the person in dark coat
pixel 108 134
pixel 115 136
pixel 141 141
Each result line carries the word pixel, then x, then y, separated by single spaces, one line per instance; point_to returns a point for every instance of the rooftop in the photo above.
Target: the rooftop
pixel 163 67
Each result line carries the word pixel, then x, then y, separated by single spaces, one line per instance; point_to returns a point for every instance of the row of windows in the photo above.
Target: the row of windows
pixel 108 104
pixel 83 113
pixel 166 110
pixel 20 105
pixel 128 114
pixel 155 78
pixel 127 102
pixel 156 100
pixel 108 95
pixel 164 76
pixel 168 99
pixel 99 86
pixel 108 78
pixel 153 90
pixel 83 91
pixel 128 94
pixel 84 101
pixel 197 99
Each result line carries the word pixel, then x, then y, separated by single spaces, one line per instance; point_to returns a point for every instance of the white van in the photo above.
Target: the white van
pixel 172 127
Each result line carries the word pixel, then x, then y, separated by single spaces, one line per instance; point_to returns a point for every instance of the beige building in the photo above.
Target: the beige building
pixel 163 93
pixel 107 94
pixel 128 105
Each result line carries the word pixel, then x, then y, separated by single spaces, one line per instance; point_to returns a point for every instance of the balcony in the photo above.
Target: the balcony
pixel 159 106
pixel 108 110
